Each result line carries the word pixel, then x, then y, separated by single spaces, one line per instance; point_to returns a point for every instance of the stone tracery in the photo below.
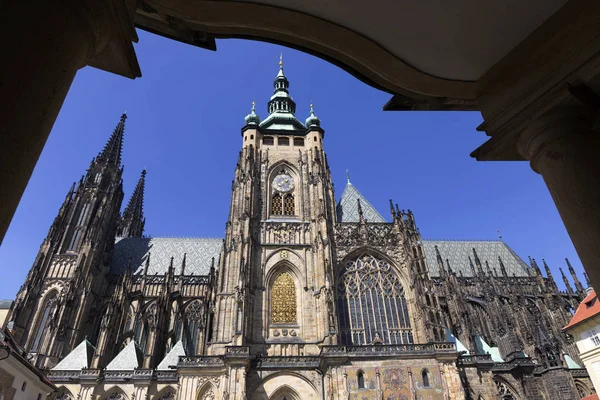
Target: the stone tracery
pixel 371 303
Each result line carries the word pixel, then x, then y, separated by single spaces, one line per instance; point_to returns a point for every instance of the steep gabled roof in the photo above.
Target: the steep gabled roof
pixel 80 357
pixel 347 208
pixel 588 308
pixel 128 359
pixel 172 357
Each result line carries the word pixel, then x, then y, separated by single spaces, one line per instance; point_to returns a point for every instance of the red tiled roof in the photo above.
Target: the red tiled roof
pixel 591 397
pixel 589 307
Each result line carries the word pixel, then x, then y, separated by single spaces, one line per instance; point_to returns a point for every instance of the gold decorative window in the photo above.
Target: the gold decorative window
pixel 288 204
pixel 283 300
pixel 276 204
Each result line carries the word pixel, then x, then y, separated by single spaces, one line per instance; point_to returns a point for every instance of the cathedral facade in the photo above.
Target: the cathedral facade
pixel 305 298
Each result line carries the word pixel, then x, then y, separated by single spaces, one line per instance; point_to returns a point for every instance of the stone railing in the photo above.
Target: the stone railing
pixel 166 376
pixel 118 376
pixel 579 373
pixel 298 362
pixel 200 361
pixel 237 351
pixel 284 232
pixel 57 376
pixel 389 349
pixel 475 360
pixel 525 363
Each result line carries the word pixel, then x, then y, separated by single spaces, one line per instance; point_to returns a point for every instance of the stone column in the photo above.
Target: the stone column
pixel 43 44
pixel 563 146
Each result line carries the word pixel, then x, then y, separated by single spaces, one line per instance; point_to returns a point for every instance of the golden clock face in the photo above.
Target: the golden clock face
pixel 283 183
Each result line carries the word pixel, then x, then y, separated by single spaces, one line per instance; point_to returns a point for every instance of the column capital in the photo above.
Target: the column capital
pixel 557 123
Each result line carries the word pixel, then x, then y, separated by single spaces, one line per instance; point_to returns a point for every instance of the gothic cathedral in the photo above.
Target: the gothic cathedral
pixel 305 298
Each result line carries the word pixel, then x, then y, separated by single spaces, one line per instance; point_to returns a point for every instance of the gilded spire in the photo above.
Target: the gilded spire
pixel 111 154
pixel 133 221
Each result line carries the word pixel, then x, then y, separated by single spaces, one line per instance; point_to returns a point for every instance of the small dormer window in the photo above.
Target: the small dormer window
pixel 283 141
pixel 268 141
pixel 590 303
pixel 298 141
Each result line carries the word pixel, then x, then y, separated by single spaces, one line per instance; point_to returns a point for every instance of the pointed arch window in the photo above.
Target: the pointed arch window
pixel 360 378
pixel 42 328
pixel 371 303
pixel 194 314
pixel 283 299
pixel 505 392
pixel 141 333
pixel 425 377
pixel 288 204
pixel 277 204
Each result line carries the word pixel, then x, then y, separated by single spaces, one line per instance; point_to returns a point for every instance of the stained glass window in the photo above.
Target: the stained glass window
pixel 288 204
pixel 276 204
pixel 283 300
pixel 371 303
pixel 193 323
pixel 42 327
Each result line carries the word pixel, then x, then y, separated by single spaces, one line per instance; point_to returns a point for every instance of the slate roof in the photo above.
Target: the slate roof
pixel 458 252
pixel 589 307
pixel 80 357
pixel 199 253
pixel 5 304
pixel 347 208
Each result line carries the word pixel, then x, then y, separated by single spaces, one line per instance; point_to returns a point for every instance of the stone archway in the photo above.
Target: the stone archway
pixel 286 386
pixel 285 393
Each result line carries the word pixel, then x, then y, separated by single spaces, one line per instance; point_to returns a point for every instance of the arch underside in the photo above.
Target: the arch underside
pixel 200 22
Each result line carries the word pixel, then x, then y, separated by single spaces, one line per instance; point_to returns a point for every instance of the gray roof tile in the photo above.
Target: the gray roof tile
pixel 199 253
pixel 458 252
pixel 347 208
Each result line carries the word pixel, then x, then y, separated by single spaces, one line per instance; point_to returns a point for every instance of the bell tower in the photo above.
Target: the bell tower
pixel 276 267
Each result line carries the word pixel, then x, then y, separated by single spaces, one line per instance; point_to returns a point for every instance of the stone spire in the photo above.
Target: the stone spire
pixel 578 285
pixel 566 281
pixel 133 221
pixel 440 261
pixel 478 263
pixel 548 273
pixel 535 266
pixel 502 268
pixel 111 154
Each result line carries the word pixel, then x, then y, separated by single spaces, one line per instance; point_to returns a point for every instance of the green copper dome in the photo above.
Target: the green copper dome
pixel 313 120
pixel 252 118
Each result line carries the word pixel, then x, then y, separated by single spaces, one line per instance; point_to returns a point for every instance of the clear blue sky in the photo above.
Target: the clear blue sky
pixel 185 116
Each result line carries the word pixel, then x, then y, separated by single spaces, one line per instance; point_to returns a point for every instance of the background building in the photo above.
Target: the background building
pixel 584 327
pixel 304 298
